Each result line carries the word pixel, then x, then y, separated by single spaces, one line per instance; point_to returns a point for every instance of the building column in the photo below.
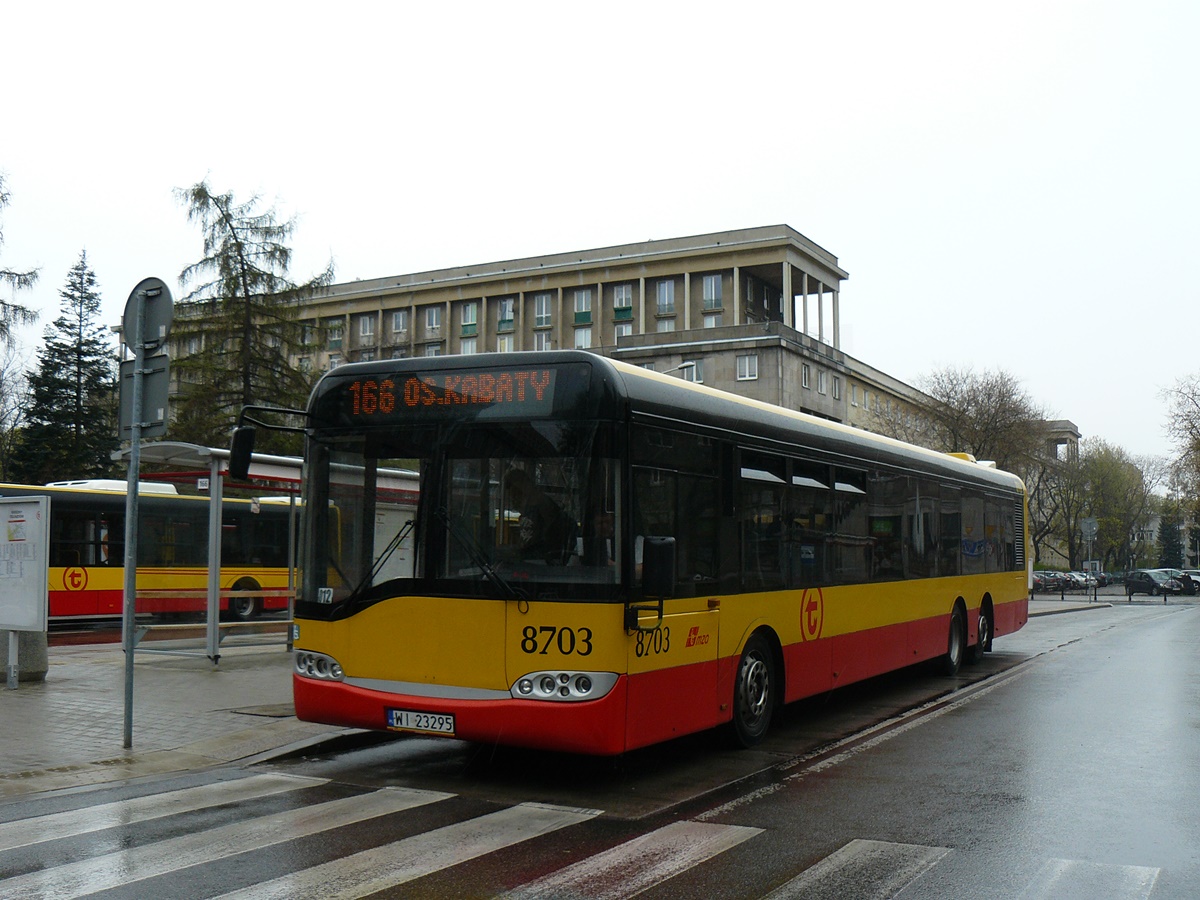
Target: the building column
pixel 837 322
pixel 642 305
pixel 821 311
pixel 687 301
pixel 481 319
pixel 562 325
pixel 804 301
pixel 788 301
pixel 737 296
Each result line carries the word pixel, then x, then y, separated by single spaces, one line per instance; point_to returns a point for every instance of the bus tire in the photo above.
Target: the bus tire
pixel 956 641
pixel 983 632
pixel 753 692
pixel 243 609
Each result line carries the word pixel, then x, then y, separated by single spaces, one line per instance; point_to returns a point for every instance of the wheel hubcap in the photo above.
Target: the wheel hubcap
pixel 755 683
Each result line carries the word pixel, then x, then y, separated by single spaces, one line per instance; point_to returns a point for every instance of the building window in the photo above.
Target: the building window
pixel 469 312
pixel 542 315
pixel 468 346
pixel 504 343
pixel 666 297
pixel 583 306
pixel 854 395
pixel 335 335
pixel 693 372
pixel 837 387
pixel 433 349
pixel 366 327
pixel 306 336
pixel 665 325
pixel 366 355
pixel 505 314
pixel 193 346
pixel 747 367
pixel 804 375
pixel 583 338
pixel 334 360
pixel 623 329
pixel 542 340
pixel 623 296
pixel 399 353
pixel 712 291
pixel 712 320
pixel 400 321
pixel 433 321
pixel 304 364
pixel 821 381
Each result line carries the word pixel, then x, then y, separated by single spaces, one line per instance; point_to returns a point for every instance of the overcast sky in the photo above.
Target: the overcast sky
pixel 1010 186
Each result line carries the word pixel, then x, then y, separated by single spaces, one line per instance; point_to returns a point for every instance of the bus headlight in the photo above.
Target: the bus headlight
pixel 317 665
pixel 563 686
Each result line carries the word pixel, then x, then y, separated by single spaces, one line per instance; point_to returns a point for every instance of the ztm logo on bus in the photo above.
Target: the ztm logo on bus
pixel 75 578
pixel 812 614
pixel 695 638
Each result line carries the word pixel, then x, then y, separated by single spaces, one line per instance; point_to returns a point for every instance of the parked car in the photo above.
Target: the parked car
pixel 1047 581
pixel 1152 582
pixel 1190 585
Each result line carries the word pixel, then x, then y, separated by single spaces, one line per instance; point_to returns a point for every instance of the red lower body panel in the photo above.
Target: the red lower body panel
pixel 595 726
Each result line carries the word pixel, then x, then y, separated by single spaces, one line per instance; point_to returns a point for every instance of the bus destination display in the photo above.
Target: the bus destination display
pixel 512 392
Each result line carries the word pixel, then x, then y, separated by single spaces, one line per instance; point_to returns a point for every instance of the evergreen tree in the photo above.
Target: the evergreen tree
pixel 238 330
pixel 71 423
pixel 1170 537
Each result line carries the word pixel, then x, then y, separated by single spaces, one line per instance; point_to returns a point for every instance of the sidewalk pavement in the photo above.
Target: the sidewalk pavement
pixel 68 731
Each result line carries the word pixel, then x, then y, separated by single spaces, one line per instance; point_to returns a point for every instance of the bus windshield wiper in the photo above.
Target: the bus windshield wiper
pixel 383 557
pixel 507 591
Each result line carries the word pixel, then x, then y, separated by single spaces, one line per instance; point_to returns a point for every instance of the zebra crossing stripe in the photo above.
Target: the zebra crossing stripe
pixel 638 864
pixel 379 868
pixel 75 822
pixel 1076 878
pixel 125 867
pixel 877 869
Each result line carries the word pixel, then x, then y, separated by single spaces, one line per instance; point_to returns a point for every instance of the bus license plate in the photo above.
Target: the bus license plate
pixel 428 723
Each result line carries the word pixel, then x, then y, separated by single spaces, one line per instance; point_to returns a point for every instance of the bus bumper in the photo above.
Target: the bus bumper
pixel 594 727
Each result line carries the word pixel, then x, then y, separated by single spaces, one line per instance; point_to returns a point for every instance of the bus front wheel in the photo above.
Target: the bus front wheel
pixel 753 692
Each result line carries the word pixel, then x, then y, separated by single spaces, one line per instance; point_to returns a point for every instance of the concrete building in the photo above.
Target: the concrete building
pixel 755 311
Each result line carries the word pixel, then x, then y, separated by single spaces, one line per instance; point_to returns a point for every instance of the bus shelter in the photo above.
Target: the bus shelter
pixel 192 461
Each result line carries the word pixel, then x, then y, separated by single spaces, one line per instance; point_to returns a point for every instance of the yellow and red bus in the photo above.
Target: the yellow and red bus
pixel 604 557
pixel 87 551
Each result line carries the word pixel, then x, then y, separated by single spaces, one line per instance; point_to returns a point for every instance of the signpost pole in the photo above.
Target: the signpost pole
pixel 14 670
pixel 147 320
pixel 131 512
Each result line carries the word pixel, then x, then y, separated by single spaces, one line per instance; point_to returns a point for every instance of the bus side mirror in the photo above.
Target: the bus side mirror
pixel 658 566
pixel 240 450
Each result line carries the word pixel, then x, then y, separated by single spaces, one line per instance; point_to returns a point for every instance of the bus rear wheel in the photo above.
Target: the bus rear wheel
pixel 753 692
pixel 243 609
pixel 983 642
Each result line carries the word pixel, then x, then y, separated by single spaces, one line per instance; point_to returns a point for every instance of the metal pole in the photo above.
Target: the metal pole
pixel 14 668
pixel 214 561
pixel 131 515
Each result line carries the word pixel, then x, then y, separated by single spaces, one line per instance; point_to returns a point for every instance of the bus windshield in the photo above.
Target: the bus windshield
pixel 521 509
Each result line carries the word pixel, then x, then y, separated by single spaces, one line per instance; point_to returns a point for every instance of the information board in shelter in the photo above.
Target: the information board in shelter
pixel 24 563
